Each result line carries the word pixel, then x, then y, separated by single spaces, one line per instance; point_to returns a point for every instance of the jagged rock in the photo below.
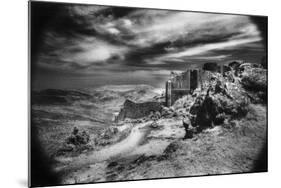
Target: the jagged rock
pixel 234 64
pixel 229 76
pixel 222 100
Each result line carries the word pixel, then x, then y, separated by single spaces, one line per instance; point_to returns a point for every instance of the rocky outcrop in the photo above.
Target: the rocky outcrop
pixel 221 101
pixel 226 97
pixel 222 97
pixel 254 80
pixel 134 110
pixel 235 64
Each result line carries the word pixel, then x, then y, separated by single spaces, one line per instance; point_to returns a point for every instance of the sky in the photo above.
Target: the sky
pixel 87 46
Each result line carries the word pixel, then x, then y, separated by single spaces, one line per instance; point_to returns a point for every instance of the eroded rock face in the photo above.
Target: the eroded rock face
pixel 134 110
pixel 223 100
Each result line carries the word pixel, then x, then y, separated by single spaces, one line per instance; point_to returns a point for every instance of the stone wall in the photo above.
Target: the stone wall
pixel 134 110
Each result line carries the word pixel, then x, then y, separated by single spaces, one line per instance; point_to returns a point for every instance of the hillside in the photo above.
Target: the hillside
pixel 224 130
pixel 55 112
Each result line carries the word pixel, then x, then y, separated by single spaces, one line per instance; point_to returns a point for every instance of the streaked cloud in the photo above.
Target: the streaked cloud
pixel 204 49
pixel 101 40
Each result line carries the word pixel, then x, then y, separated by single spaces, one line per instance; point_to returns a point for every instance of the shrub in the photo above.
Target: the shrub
pixel 78 138
pixel 76 143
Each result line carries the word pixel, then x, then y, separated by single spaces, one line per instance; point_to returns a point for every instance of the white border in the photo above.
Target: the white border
pixel 14 90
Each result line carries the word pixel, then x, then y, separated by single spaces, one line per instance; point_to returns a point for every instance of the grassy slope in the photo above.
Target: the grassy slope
pixel 214 151
pixel 90 110
pixel 163 152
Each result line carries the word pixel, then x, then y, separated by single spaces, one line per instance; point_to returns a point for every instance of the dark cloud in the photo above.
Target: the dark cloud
pixel 96 41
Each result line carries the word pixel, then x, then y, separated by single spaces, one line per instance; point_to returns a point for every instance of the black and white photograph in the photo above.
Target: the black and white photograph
pixel 125 93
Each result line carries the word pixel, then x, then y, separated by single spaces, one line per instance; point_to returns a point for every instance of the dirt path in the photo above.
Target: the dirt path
pixel 124 147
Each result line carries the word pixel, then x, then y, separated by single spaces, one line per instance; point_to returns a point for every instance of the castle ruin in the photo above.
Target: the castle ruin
pixel 182 84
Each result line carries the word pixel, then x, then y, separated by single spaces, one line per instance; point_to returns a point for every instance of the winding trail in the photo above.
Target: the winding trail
pixel 124 147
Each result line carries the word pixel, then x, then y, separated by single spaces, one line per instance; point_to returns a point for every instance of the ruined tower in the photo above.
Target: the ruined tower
pixel 182 84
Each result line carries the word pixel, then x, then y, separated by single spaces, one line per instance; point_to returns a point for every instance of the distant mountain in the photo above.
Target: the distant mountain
pixel 102 103
pixel 137 93
pixel 58 96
